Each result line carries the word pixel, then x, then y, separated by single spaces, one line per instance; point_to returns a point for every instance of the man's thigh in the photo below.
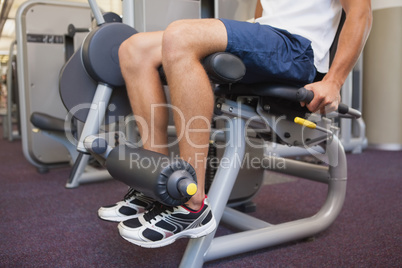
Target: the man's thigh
pixel 270 54
pixel 200 36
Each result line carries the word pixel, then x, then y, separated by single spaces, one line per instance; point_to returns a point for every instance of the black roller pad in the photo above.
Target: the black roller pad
pixel 77 89
pixel 148 172
pixel 100 52
pixel 96 62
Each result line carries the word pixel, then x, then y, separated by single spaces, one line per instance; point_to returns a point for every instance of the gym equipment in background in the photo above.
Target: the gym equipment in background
pixel 41 29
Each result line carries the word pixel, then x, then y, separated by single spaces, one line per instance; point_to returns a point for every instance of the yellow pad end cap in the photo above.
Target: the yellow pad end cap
pixel 191 189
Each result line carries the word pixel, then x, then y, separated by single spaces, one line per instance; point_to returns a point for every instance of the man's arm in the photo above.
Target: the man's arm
pixel 258 10
pixel 352 39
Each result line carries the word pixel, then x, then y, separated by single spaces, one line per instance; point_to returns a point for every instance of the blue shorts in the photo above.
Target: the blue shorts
pixel 270 54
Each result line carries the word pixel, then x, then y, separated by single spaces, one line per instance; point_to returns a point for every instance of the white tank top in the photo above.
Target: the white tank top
pixel 316 20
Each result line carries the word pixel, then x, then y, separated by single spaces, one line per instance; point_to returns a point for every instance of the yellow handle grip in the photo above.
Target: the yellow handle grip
pixel 305 122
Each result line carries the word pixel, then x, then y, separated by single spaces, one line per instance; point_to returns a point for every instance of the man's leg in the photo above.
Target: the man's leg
pixel 184 44
pixel 180 49
pixel 139 57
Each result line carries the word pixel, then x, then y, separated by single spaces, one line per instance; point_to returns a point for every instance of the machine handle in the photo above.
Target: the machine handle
pixel 307 96
pixel 304 95
pixel 72 30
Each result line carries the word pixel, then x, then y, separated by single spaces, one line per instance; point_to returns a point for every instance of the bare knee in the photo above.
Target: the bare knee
pixel 193 39
pixel 136 51
pixel 127 54
pixel 177 41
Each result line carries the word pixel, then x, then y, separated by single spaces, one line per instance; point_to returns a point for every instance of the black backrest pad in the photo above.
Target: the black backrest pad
pixel 100 52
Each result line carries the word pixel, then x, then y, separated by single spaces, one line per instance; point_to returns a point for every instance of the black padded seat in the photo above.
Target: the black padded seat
pixel 275 90
pixel 224 68
pixel 221 67
pixel 227 70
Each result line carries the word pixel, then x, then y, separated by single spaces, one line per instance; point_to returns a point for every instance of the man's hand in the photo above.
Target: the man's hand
pixel 351 42
pixel 326 97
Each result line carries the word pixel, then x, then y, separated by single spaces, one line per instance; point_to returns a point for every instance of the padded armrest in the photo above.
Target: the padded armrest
pixel 221 67
pixel 49 123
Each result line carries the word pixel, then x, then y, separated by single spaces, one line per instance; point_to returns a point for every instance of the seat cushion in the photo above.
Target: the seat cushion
pixel 221 67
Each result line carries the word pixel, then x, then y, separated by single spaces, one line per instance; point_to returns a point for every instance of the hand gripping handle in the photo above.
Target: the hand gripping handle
pixel 305 95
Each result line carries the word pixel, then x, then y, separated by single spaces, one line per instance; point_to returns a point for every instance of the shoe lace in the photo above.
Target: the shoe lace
pixel 156 209
pixel 131 192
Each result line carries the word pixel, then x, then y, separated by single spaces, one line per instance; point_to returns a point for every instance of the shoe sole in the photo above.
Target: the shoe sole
pixel 116 218
pixel 199 232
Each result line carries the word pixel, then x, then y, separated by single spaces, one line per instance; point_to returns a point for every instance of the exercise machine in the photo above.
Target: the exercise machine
pixel 41 44
pixel 263 112
pixel 251 116
pixel 12 111
pixel 48 134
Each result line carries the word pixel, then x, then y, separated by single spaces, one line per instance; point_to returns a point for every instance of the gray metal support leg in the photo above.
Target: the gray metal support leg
pixel 220 190
pixel 82 173
pixel 77 170
pixel 96 114
pixel 276 234
pixel 95 118
pixel 264 235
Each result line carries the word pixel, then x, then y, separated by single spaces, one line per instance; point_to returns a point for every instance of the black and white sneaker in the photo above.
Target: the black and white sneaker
pixel 134 204
pixel 162 225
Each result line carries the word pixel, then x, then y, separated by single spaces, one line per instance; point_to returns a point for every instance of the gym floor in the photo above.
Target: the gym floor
pixel 43 224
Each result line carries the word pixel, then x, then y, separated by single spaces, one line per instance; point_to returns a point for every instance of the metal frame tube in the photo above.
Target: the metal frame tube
pixel 260 234
pixel 128 12
pixel 276 234
pixel 97 12
pixel 96 114
pixel 241 220
pixel 220 191
pixel 8 124
pixel 301 169
pixel 79 176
